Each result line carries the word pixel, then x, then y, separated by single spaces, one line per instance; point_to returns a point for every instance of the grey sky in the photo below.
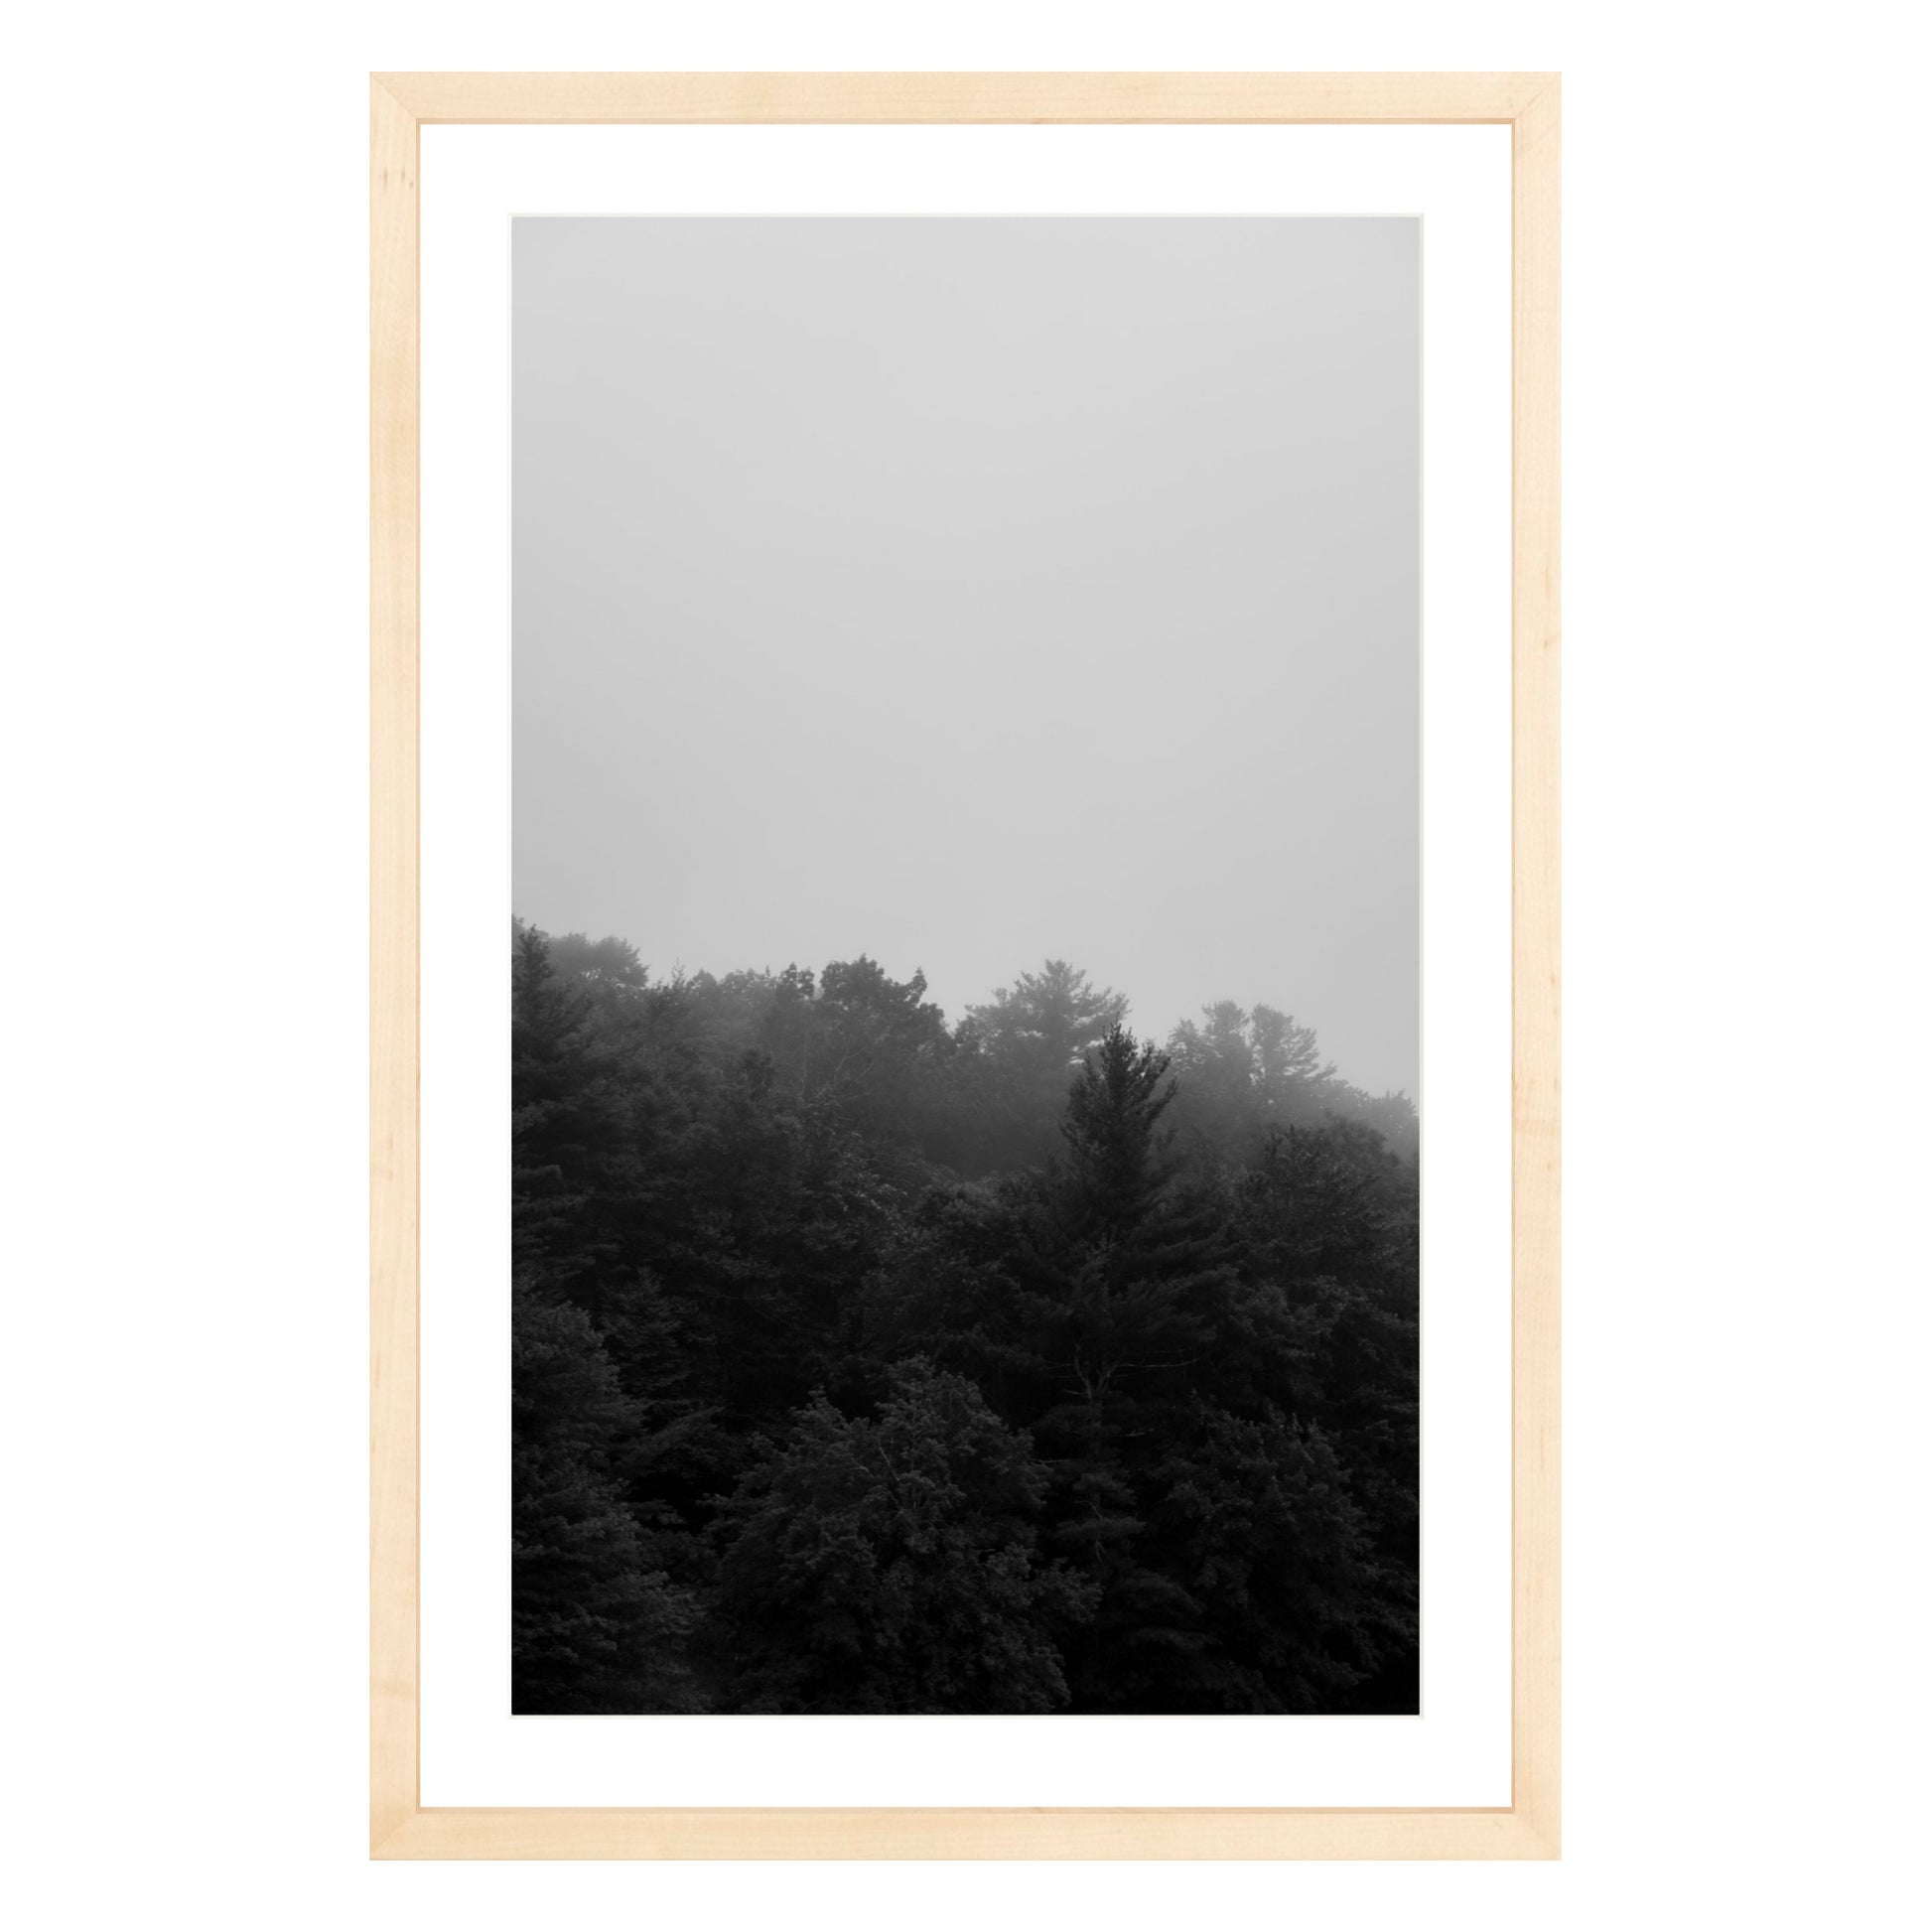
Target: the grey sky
pixel 969 591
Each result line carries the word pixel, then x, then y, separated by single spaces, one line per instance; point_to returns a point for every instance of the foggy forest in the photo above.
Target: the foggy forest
pixel 867 1362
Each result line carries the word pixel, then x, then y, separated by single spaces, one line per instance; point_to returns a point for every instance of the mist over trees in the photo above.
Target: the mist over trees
pixel 864 1362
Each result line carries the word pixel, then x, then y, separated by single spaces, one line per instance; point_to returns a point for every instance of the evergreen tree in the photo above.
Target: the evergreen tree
pixel 1243 1074
pixel 889 1564
pixel 1031 1037
pixel 595 1624
pixel 567 1127
pixel 1117 1350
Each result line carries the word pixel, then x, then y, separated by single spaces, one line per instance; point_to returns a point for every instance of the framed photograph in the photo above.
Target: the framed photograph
pixel 965 1103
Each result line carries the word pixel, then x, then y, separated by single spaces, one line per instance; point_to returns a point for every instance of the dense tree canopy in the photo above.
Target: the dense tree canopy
pixel 868 1363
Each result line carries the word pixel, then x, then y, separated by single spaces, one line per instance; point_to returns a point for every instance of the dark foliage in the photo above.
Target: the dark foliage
pixel 864 1363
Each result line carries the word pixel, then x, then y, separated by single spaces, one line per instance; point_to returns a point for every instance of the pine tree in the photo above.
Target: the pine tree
pixel 1031 1037
pixel 567 1128
pixel 1113 1110
pixel 595 1624
pixel 889 1564
pixel 1128 1423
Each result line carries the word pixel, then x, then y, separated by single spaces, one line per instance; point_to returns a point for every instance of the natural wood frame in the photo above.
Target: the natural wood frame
pixel 400 1827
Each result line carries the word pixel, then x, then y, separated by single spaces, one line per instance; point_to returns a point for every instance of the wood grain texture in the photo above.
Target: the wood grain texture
pixel 394 509
pixel 1536 843
pixel 400 1828
pixel 934 1832
pixel 1092 99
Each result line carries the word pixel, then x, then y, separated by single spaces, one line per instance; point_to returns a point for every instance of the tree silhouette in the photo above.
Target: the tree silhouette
pixel 868 1364
pixel 889 1564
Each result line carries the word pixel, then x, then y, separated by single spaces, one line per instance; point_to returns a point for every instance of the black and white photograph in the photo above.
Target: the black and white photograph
pixel 1173 713
pixel 965 965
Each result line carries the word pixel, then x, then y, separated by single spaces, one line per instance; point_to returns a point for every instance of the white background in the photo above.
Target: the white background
pixel 1457 1751
pixel 1746 430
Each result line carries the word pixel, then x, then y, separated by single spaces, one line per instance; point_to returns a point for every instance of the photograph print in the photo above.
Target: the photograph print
pixel 965 965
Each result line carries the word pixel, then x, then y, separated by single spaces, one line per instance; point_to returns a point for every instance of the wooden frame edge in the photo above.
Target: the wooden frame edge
pixel 1535 1021
pixel 401 1828
pixel 1053 1833
pixel 984 100
pixel 394 516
